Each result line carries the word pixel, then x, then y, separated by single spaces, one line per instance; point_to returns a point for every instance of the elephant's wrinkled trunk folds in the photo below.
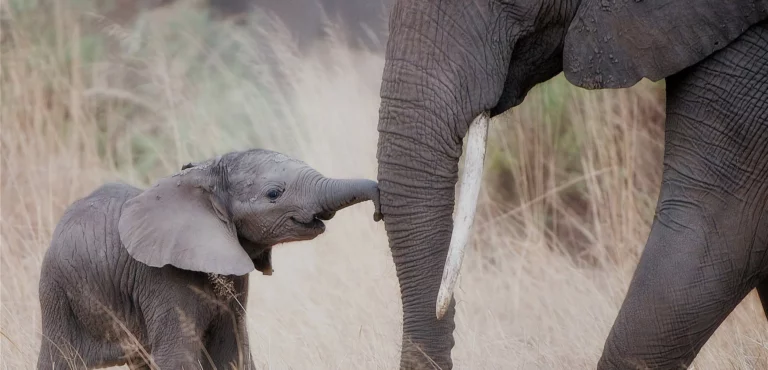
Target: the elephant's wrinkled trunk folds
pixel 339 194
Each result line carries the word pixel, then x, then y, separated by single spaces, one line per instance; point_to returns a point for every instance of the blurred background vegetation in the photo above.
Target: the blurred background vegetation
pixel 141 87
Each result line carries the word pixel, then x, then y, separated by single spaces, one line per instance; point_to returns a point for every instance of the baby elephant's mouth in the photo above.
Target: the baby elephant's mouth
pixel 316 222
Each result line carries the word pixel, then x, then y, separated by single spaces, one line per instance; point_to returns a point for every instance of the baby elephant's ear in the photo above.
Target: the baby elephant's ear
pixel 181 222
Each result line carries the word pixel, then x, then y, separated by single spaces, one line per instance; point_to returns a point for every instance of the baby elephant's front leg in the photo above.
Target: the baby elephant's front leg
pixel 228 345
pixel 176 340
pixel 227 341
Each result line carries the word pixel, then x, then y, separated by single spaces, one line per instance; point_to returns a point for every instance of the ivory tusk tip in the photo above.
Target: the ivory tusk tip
pixel 442 304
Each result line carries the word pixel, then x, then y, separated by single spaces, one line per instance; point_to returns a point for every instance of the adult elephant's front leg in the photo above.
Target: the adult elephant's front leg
pixel 707 245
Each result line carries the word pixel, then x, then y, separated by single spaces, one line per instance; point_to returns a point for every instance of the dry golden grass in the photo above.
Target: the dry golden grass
pixel 571 183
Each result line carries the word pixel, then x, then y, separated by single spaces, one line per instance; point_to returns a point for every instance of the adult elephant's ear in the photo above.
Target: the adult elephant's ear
pixel 182 221
pixel 615 43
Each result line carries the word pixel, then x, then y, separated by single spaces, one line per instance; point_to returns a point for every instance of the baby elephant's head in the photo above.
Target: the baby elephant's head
pixel 223 216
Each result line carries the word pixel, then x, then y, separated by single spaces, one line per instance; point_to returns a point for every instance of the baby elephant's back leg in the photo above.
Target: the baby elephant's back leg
pixel 64 343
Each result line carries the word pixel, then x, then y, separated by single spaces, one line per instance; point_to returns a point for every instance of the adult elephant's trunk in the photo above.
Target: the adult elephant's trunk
pixel 338 194
pixel 437 79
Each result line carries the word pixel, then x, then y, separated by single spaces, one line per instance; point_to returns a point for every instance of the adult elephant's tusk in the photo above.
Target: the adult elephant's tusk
pixel 469 190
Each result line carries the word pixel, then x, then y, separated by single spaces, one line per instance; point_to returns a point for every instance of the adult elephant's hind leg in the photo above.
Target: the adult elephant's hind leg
pixel 707 245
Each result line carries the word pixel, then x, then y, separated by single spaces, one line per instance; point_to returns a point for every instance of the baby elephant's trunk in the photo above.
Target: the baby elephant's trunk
pixel 338 194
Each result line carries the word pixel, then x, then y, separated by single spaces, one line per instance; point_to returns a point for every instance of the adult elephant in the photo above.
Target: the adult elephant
pixel 448 62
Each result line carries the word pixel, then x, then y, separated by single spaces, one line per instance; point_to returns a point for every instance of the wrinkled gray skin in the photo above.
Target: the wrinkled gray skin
pixel 171 262
pixel 448 61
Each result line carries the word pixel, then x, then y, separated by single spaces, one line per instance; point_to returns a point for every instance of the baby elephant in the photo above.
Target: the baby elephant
pixel 160 277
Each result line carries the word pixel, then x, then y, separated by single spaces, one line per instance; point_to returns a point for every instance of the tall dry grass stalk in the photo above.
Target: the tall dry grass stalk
pixel 572 179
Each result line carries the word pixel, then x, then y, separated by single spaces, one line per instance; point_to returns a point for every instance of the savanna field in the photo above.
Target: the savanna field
pixel 90 95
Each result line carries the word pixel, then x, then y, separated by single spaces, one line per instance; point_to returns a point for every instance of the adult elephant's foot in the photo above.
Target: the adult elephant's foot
pixel 707 247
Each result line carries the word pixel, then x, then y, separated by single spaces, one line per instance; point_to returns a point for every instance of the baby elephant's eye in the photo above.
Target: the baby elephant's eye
pixel 273 194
